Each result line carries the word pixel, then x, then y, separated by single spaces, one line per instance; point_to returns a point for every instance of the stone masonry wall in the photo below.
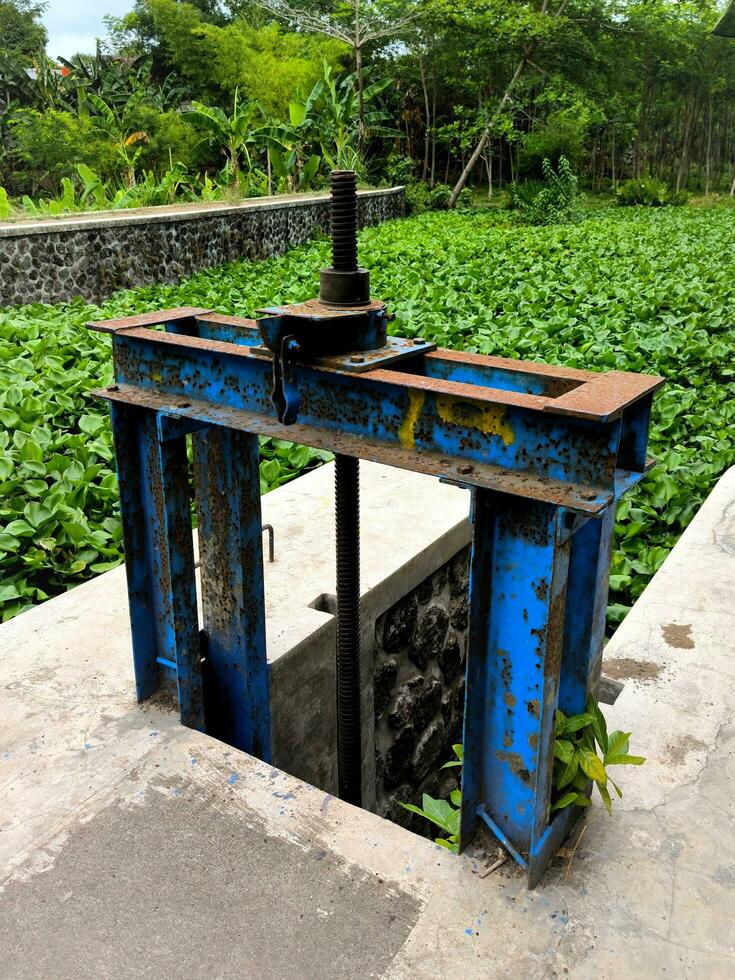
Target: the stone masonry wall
pixel 93 255
pixel 420 651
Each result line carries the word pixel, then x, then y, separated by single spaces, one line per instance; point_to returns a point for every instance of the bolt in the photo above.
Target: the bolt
pixel 344 220
pixel 113 387
pixel 465 469
pixel 589 495
pixel 357 359
pixel 184 405
pixel 418 340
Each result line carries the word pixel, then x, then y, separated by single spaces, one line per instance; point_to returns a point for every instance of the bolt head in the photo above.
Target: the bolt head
pixel 465 469
pixel 357 359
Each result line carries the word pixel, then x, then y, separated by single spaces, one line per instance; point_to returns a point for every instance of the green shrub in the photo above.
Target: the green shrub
pixel 399 169
pixel 651 193
pixel 170 139
pixel 562 135
pixel 49 145
pixel 554 200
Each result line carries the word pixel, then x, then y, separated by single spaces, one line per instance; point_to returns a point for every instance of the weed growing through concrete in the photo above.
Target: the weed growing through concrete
pixel 583 750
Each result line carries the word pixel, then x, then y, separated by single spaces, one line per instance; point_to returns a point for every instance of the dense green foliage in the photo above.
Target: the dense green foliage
pixel 624 89
pixel 629 289
pixel 650 193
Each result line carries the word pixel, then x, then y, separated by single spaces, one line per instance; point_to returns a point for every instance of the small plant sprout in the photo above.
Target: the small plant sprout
pixel 577 760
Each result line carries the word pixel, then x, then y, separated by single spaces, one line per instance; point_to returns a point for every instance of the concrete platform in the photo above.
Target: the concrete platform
pixel 131 847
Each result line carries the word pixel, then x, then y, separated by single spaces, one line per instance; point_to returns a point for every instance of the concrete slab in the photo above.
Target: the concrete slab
pixel 131 846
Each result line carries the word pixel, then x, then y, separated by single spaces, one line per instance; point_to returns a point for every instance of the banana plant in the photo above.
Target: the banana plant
pixel 115 124
pixel 329 118
pixel 243 131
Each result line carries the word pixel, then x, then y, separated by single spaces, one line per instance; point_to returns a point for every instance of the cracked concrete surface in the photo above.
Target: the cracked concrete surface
pixel 130 846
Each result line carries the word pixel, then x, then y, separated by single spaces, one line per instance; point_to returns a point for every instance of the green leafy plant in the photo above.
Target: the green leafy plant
pixel 554 200
pixel 237 133
pixel 577 763
pixel 649 192
pixel 444 814
pixel 583 751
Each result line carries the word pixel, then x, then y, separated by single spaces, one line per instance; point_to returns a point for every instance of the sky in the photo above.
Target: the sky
pixel 73 25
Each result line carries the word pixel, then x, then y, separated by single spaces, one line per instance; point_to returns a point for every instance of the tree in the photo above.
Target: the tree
pixel 525 60
pixel 20 30
pixel 366 23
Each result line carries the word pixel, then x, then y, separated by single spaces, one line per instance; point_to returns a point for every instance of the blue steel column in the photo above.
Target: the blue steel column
pixel 159 559
pixel 584 628
pixel 518 576
pixel 227 482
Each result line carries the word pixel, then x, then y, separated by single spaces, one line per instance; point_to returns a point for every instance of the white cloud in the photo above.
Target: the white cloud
pixel 74 25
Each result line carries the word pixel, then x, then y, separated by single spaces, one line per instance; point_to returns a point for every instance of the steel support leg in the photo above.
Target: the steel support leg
pixel 159 559
pixel 584 627
pixel 518 578
pixel 227 483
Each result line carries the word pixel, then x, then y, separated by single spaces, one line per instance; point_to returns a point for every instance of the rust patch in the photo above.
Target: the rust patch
pixel 510 700
pixel 533 740
pixel 534 708
pixel 515 762
pixel 678 636
pixel 625 668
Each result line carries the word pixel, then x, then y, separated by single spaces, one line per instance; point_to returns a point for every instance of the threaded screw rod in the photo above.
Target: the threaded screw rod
pixel 344 220
pixel 349 729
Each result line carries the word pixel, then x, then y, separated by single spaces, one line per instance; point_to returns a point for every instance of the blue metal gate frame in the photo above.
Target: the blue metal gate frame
pixel 545 451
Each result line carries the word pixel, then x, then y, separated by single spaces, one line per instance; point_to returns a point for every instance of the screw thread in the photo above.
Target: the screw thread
pixel 344 220
pixel 347 486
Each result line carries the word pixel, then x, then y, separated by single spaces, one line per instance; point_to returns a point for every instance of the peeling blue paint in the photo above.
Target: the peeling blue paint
pixel 233 779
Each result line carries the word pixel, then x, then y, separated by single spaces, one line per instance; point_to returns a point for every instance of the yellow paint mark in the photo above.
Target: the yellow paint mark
pixel 407 431
pixel 155 376
pixel 489 419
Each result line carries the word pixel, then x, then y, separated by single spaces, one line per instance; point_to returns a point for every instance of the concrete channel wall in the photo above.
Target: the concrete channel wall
pixel 92 255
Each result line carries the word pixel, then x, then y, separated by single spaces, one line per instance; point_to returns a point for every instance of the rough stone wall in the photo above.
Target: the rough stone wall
pixel 420 651
pixel 57 260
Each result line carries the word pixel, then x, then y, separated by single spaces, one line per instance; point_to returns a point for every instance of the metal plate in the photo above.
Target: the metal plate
pixel 358 362
pixel 313 309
